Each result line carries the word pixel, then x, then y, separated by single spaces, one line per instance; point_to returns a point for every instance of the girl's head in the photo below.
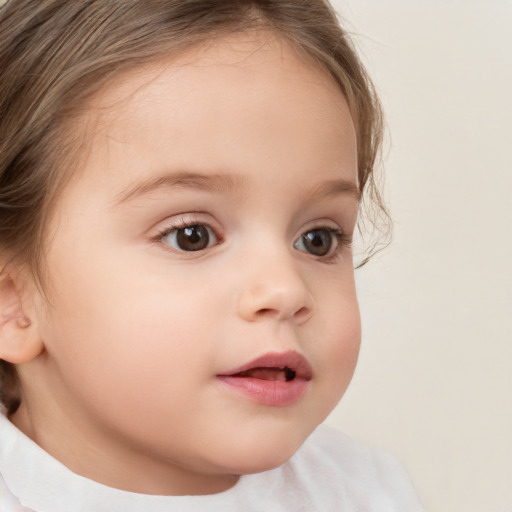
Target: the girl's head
pixel 178 181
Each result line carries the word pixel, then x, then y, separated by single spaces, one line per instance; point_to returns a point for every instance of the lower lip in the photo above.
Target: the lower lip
pixel 268 392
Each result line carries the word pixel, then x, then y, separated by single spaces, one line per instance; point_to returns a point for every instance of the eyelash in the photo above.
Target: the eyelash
pixel 183 223
pixel 342 240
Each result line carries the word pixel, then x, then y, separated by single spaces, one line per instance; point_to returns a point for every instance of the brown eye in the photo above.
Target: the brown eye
pixel 318 242
pixel 196 237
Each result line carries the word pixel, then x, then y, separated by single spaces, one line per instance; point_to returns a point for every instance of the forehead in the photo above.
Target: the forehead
pixel 221 104
pixel 255 55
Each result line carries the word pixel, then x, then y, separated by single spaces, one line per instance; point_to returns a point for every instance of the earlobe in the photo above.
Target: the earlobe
pixel 19 338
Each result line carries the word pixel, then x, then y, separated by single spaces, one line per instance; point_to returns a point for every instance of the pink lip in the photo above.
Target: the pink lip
pixel 277 393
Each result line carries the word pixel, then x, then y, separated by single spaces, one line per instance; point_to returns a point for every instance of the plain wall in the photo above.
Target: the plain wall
pixel 434 382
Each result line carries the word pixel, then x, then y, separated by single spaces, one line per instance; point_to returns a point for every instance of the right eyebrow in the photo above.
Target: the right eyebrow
pixel 333 188
pixel 217 183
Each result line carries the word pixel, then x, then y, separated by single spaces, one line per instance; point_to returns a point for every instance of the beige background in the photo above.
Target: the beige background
pixel 434 384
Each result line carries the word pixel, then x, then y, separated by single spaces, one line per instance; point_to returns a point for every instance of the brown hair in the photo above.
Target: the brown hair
pixel 56 54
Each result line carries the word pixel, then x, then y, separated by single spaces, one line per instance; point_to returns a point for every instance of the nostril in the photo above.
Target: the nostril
pixel 266 312
pixel 302 313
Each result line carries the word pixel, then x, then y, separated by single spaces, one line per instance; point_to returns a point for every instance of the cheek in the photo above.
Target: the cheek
pixel 338 347
pixel 344 345
pixel 116 336
pixel 132 359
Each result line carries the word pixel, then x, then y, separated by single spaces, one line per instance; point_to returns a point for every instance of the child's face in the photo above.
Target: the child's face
pixel 203 234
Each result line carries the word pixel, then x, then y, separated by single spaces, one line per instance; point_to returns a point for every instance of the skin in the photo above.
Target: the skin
pixel 124 388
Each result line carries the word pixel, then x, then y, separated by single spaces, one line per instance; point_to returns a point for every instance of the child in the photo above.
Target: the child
pixel 179 185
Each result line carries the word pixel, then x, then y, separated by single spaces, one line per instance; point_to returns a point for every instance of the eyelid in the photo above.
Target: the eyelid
pixel 343 239
pixel 323 223
pixel 185 220
pixel 182 220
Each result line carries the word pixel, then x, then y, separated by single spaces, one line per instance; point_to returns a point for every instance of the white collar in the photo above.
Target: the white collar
pixel 43 484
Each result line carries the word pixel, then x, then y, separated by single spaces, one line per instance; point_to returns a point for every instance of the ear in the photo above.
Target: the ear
pixel 20 341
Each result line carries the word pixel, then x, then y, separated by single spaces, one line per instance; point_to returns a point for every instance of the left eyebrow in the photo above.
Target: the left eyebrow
pixel 332 188
pixel 217 183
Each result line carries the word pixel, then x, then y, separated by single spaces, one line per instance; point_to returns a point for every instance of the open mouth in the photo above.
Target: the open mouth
pixel 274 379
pixel 264 373
pixel 280 367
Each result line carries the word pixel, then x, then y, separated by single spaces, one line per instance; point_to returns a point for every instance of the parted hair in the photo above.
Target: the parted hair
pixel 55 55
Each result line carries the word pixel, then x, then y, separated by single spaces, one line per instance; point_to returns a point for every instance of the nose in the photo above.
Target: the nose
pixel 274 289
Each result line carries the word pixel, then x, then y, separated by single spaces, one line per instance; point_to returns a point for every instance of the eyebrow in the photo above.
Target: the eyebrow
pixel 333 188
pixel 228 183
pixel 217 183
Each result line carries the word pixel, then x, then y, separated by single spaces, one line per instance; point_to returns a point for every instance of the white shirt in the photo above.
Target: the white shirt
pixel 329 473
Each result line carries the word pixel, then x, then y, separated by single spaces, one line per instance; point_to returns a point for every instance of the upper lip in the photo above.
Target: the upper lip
pixel 291 360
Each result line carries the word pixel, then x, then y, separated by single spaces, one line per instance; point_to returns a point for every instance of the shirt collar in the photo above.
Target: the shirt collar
pixel 43 484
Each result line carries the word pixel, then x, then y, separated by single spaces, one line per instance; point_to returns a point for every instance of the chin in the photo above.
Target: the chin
pixel 264 452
